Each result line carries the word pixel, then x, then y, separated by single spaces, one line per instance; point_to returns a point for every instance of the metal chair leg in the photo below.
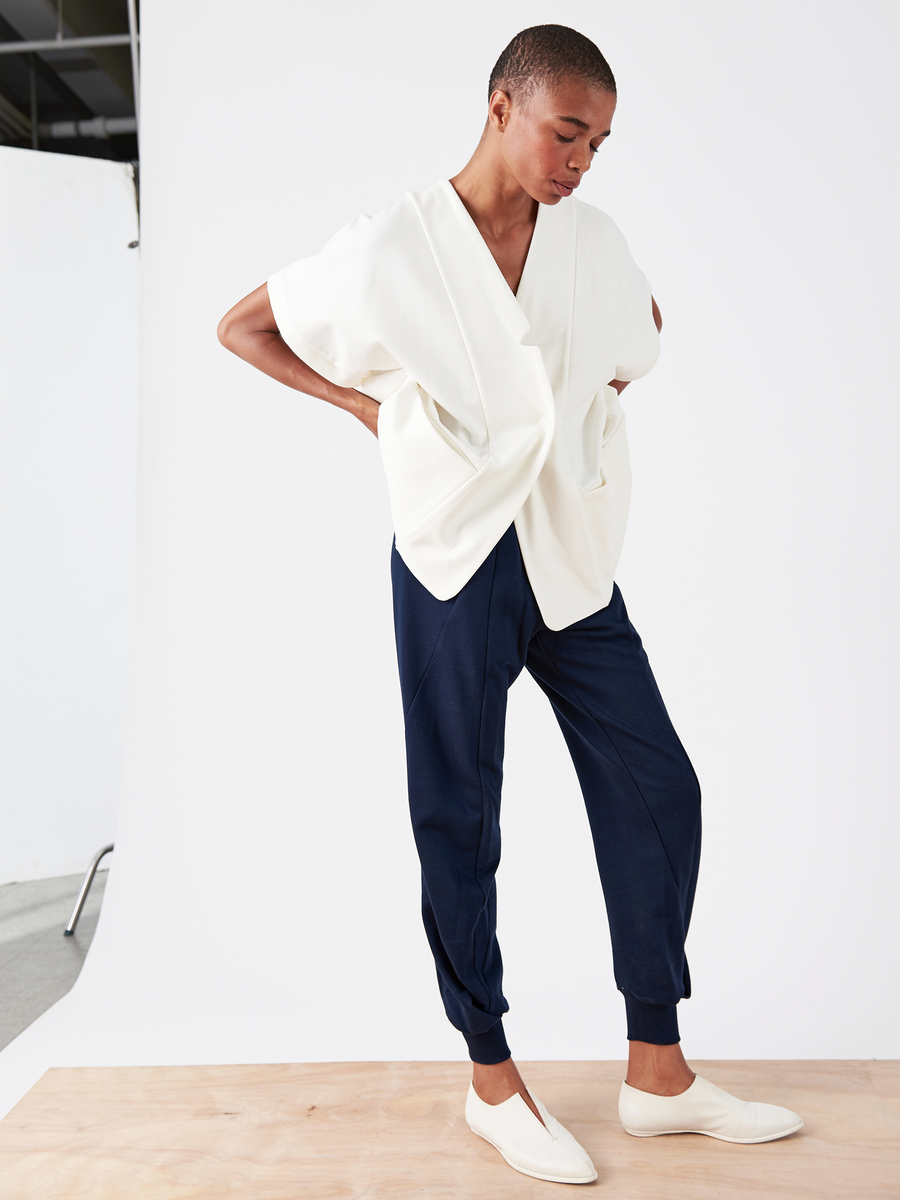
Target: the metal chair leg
pixel 85 888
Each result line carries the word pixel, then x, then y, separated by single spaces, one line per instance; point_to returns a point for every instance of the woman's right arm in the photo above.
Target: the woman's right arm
pixel 249 331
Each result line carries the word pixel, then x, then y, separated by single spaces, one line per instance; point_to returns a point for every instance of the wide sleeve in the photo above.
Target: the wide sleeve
pixel 330 307
pixel 637 338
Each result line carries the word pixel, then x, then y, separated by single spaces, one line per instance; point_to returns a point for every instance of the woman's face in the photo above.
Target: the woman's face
pixel 549 142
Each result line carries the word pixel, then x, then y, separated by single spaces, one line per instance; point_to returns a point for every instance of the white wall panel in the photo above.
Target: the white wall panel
pixel 68 491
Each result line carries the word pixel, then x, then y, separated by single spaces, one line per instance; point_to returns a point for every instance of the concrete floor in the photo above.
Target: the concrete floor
pixel 38 964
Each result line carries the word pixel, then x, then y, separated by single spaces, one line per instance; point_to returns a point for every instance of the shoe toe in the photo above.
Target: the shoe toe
pixel 770 1121
pixel 563 1135
pixel 542 1151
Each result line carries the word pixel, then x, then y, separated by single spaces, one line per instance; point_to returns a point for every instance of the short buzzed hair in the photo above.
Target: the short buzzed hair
pixel 542 56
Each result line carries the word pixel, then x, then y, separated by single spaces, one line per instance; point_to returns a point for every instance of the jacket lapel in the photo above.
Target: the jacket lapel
pixel 546 292
pixel 508 367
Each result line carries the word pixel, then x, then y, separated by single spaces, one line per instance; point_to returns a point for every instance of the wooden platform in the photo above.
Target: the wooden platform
pixel 347 1130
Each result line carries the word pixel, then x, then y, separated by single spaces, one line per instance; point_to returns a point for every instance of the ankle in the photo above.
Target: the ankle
pixel 659 1085
pixel 497 1082
pixel 660 1070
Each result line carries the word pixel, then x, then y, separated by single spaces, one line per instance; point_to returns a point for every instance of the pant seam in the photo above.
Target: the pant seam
pixel 434 651
pixel 574 695
pixel 480 966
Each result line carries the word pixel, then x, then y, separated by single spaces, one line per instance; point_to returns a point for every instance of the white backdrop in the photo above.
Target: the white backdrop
pixel 68 494
pixel 263 905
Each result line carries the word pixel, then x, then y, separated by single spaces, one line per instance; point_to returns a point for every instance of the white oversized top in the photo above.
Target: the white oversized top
pixel 494 408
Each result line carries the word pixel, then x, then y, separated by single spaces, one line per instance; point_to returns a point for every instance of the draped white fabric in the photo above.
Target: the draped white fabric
pixel 495 407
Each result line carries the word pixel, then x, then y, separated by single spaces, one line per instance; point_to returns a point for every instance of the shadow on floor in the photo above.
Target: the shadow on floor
pixel 38 964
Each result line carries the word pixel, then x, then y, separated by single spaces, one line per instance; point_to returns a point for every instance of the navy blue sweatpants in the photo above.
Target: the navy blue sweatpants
pixel 457 659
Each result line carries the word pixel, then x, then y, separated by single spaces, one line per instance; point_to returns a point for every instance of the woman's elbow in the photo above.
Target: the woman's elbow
pixel 246 319
pixel 226 331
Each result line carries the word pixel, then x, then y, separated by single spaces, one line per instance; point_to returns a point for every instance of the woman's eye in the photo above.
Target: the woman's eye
pixel 569 141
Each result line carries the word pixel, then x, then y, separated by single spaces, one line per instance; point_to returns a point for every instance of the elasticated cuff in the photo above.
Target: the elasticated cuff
pixel 488 1048
pixel 654 1023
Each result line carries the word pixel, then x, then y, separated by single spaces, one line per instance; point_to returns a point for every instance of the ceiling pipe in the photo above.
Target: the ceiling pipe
pixel 96 127
pixel 74 43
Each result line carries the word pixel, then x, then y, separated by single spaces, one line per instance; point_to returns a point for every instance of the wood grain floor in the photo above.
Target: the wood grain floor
pixel 348 1130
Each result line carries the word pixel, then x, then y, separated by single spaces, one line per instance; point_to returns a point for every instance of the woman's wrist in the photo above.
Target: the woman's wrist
pixel 358 404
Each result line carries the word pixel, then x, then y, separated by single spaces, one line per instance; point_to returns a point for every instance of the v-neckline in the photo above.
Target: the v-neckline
pixel 517 294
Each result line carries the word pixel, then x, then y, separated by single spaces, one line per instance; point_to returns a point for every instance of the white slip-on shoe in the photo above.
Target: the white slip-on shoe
pixel 704 1108
pixel 543 1151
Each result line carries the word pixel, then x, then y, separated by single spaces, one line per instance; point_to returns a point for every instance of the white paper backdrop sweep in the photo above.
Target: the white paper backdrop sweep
pixel 263 903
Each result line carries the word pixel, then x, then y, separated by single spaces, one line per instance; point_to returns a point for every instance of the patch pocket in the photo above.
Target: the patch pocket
pixel 606 502
pixel 423 461
pixel 613 456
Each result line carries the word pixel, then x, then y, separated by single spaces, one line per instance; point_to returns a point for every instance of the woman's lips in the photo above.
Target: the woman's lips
pixel 564 189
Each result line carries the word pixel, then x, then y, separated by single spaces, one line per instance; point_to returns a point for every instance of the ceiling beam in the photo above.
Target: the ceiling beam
pixel 93 18
pixel 47 75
